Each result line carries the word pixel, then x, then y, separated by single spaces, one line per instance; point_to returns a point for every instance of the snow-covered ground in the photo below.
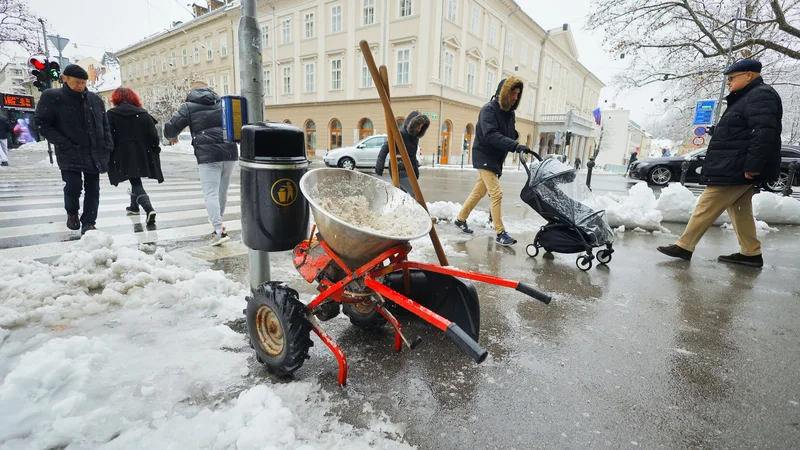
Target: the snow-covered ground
pixel 114 347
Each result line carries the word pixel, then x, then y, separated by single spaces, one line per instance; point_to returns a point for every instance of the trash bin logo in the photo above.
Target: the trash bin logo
pixel 284 192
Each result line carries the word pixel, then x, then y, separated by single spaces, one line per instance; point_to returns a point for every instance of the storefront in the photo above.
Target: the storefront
pixel 19 109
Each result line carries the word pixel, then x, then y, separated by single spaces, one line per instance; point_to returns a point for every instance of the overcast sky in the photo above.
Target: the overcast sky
pixel 114 24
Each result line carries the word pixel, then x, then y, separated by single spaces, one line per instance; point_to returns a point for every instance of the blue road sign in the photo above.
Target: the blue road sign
pixel 704 112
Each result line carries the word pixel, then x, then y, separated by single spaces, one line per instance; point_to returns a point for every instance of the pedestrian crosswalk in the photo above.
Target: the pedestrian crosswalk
pixel 33 220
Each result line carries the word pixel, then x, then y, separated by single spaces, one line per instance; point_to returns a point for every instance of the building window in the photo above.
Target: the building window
pixel 130 72
pixel 155 64
pixel 225 85
pixel 196 55
pixel 287 80
pixel 212 82
pixel 510 45
pixel 535 60
pixel 336 74
pixel 138 70
pixel 403 65
pixel 286 31
pixel 336 19
pixel 452 7
pixel 531 95
pixel 405 8
pixel 268 82
pixel 310 80
pixel 449 62
pixel 265 35
pixel 146 67
pixel 476 21
pixel 311 135
pixel 163 63
pixel 366 76
pixel 493 34
pixel 369 12
pixel 471 68
pixel 184 57
pixel 209 50
pixel 523 58
pixel 223 45
pixel 309 22
pixel 490 83
pixel 366 129
pixel 548 67
pixel 335 134
pixel 174 62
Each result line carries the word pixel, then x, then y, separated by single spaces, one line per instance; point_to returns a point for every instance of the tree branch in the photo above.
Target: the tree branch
pixel 780 17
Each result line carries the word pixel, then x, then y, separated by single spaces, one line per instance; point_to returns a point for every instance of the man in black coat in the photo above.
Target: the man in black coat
pixel 414 128
pixel 495 137
pixel 745 150
pixel 74 121
pixel 216 159
pixel 5 128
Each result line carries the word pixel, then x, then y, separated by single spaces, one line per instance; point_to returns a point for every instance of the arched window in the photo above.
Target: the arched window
pixel 468 133
pixel 287 121
pixel 365 128
pixel 311 135
pixel 335 134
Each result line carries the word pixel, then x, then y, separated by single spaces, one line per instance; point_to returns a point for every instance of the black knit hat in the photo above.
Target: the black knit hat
pixel 75 71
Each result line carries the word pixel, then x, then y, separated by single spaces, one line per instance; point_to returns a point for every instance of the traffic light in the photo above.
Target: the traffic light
pixel 40 73
pixel 568 137
pixel 55 71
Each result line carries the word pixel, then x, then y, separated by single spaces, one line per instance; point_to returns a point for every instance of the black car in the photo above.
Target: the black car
pixel 660 171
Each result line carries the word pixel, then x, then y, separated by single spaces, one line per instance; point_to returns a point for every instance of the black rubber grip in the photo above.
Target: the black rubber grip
pixel 527 289
pixel 466 343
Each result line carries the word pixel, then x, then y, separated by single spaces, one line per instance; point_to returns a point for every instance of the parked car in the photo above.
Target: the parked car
pixel 364 154
pixel 660 171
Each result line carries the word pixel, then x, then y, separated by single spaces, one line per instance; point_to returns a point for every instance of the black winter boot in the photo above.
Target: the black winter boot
pixel 133 210
pixel 144 202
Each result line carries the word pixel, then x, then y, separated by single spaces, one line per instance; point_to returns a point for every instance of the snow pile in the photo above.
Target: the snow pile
pixel 423 250
pixel 40 146
pixel 676 203
pixel 761 227
pixel 184 149
pixel 111 347
pixel 776 209
pixel 637 210
pixel 448 211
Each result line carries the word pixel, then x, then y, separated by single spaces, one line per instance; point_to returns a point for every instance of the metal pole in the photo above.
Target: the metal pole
pixel 58 38
pixel 727 64
pixel 684 169
pixel 49 81
pixel 252 89
pixel 250 64
pixel 787 190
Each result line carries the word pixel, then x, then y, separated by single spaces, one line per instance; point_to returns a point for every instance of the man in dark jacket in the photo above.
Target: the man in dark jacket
pixel 74 121
pixel 414 128
pixel 745 150
pixel 216 159
pixel 5 128
pixel 495 137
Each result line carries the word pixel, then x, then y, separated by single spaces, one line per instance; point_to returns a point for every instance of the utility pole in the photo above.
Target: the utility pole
pixel 727 64
pixel 46 53
pixel 250 64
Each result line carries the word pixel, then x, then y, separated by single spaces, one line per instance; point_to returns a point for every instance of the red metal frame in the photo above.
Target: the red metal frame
pixel 369 272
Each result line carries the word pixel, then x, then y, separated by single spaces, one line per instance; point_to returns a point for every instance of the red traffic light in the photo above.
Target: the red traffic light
pixel 38 63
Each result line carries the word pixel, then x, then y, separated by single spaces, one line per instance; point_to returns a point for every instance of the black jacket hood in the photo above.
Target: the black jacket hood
pixel 414 119
pixel 504 89
pixel 203 96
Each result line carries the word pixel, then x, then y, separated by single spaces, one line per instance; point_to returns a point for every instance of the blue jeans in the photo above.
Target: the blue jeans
pixel 72 194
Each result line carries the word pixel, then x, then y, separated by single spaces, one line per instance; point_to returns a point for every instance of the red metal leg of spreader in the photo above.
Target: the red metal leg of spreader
pixel 398 337
pixel 341 358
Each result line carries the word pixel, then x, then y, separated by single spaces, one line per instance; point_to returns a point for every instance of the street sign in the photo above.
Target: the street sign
pixel 704 112
pixel 59 42
pixel 700 131
pixel 698 141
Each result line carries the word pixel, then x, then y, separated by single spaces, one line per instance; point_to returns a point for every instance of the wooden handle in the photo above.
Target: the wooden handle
pixel 398 140
pixel 389 135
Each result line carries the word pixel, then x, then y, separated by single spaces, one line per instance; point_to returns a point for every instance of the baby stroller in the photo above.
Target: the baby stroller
pixel 572 226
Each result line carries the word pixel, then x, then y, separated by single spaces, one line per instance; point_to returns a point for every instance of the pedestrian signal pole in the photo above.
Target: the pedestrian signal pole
pixel 727 64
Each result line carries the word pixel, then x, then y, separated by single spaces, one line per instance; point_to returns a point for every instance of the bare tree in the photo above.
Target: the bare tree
pixel 19 26
pixel 162 100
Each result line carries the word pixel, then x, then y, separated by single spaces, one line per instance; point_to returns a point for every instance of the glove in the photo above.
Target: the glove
pixel 523 149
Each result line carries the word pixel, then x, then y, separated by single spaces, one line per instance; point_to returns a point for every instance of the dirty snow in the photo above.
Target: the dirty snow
pixel 113 347
pixel 40 146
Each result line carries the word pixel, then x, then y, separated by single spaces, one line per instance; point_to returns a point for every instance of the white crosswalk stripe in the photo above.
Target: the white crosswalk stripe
pixel 33 220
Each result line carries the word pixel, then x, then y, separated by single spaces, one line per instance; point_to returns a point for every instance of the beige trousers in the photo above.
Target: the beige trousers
pixel 488 181
pixel 738 201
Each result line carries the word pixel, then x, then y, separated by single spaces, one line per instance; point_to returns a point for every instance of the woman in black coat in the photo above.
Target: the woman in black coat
pixel 136 149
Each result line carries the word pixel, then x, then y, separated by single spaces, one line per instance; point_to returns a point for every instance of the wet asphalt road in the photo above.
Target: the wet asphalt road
pixel 646 352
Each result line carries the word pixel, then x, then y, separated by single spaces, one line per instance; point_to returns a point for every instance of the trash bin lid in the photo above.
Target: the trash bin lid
pixel 271 141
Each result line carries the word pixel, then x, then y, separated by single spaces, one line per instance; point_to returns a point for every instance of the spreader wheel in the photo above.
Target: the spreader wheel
pixel 364 315
pixel 532 250
pixel 278 328
pixel 604 257
pixel 584 262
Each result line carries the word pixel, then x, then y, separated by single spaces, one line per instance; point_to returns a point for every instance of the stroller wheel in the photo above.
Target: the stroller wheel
pixel 604 257
pixel 584 262
pixel 532 250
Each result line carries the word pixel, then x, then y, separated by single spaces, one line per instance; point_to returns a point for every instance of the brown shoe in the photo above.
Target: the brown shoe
pixel 676 252
pixel 738 258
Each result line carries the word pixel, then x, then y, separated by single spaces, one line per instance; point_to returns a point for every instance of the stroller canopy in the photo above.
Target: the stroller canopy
pixel 553 191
